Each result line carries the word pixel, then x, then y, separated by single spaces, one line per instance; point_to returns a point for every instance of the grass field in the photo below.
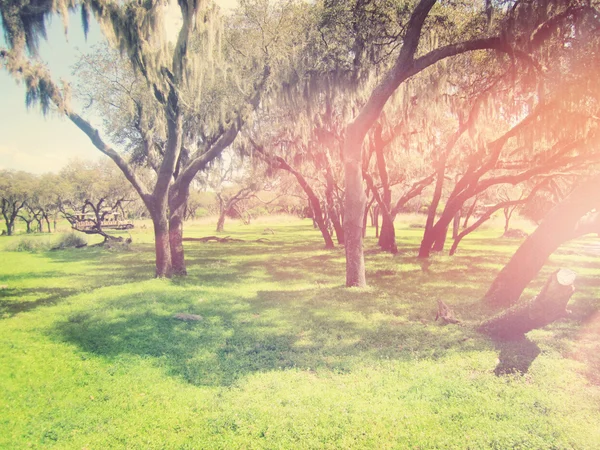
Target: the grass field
pixel 285 356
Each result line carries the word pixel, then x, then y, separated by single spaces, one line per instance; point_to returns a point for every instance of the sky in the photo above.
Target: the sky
pixel 37 144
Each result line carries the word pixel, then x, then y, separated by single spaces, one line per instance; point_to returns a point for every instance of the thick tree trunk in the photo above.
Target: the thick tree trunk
pixel 546 307
pixel 221 221
pixel 387 236
pixel 440 238
pixel 164 267
pixel 354 208
pixel 176 241
pixel 564 222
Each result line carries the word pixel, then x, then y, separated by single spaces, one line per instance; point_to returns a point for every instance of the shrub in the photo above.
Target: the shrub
pixel 70 240
pixel 28 245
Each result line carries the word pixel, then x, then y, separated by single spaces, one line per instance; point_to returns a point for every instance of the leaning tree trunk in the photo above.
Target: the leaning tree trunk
pixel 331 206
pixel 564 222
pixel 440 238
pixel 546 307
pixel 47 219
pixel 430 234
pixel 221 221
pixel 470 212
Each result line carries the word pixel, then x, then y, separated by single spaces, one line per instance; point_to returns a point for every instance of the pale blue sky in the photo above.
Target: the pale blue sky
pixel 29 141
pixel 37 144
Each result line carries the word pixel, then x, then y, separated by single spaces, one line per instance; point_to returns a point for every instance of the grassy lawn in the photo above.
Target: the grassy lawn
pixel 285 356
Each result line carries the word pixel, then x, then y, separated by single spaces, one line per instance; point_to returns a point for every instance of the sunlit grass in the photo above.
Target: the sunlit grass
pixel 285 356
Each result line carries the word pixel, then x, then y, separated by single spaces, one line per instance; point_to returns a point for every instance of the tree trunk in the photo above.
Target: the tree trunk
pixel 337 226
pixel 376 220
pixel 470 212
pixel 221 221
pixel 429 235
pixel 387 236
pixel 564 222
pixel 176 240
pixel 456 225
pixel 546 307
pixel 365 219
pixel 331 206
pixel 315 205
pixel 323 227
pixel 354 207
pixel 440 238
pixel 164 268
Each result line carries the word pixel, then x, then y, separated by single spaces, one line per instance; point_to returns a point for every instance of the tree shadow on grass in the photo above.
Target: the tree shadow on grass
pixel 516 356
pixel 14 301
pixel 277 330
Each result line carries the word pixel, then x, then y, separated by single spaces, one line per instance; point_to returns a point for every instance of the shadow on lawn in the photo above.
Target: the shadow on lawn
pixel 11 300
pixel 515 356
pixel 274 331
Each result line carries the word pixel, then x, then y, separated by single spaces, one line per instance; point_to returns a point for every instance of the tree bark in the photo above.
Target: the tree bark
pixel 221 221
pixel 331 206
pixel 440 238
pixel 546 307
pixel 430 234
pixel 354 208
pixel 387 237
pixel 375 221
pixel 160 221
pixel 564 222
pixel 176 240
pixel 456 225
pixel 470 212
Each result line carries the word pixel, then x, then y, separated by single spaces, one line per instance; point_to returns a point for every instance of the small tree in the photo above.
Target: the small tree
pixel 15 190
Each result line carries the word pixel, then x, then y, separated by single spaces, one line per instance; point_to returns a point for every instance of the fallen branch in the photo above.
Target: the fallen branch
pixel 445 313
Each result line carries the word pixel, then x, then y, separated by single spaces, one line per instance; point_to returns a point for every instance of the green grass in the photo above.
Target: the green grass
pixel 285 356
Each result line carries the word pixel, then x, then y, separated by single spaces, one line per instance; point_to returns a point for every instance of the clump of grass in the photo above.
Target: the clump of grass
pixel 70 240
